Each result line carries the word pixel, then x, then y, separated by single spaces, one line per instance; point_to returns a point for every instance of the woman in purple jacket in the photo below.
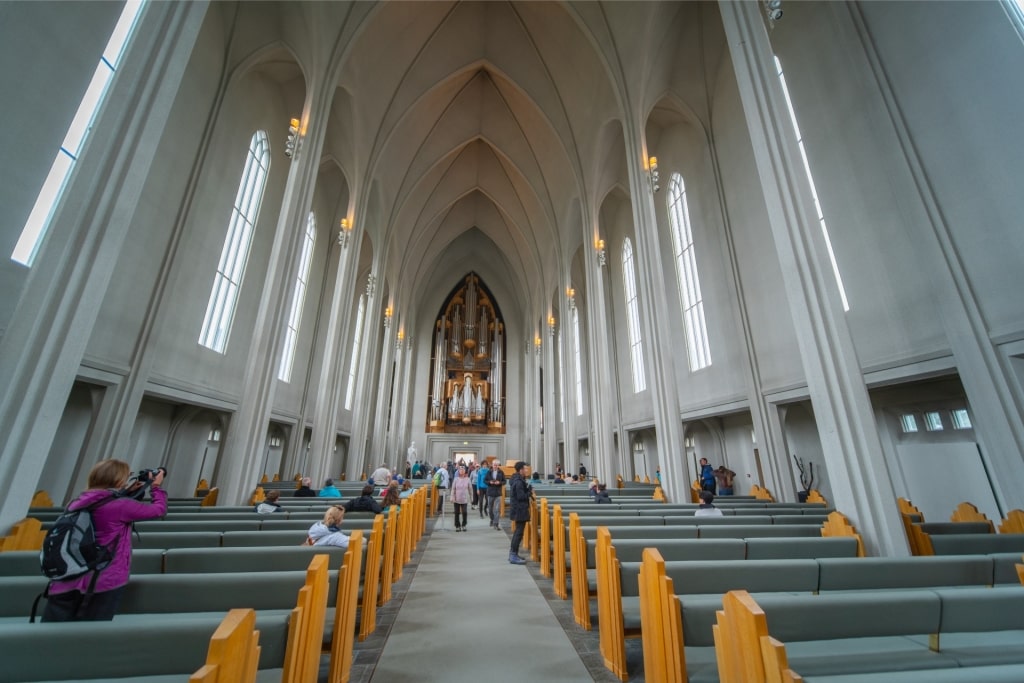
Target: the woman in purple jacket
pixel 112 522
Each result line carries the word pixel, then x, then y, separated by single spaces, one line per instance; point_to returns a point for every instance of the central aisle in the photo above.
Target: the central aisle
pixel 470 616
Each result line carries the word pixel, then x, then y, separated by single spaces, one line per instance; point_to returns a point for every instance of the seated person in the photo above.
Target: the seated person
pixel 269 504
pixel 707 509
pixel 558 479
pixel 601 495
pixel 364 503
pixel 406 489
pixel 592 491
pixel 328 532
pixel 391 498
pixel 304 490
pixel 535 476
pixel 329 490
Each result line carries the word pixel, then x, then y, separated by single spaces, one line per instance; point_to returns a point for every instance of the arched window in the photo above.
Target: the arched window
pixel 220 311
pixel 814 191
pixel 357 343
pixel 561 380
pixel 690 298
pixel 636 351
pixel 291 334
pixel 53 187
pixel 578 360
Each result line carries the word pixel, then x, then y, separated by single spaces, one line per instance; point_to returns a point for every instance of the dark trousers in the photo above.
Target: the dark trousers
pixel 708 486
pixel 481 500
pixel 72 606
pixel 517 536
pixel 460 509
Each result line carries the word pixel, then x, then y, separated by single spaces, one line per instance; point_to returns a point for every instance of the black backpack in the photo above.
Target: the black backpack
pixel 70 550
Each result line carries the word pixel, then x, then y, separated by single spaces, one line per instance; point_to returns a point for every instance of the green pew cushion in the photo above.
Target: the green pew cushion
pixel 983 674
pixel 794 548
pixel 977 544
pixel 246 559
pixel 762 531
pixel 861 573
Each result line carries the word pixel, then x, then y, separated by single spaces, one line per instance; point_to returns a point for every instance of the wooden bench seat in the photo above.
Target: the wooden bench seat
pixel 871 632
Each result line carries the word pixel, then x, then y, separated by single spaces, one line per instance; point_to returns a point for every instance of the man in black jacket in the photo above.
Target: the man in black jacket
pixel 495 480
pixel 364 503
pixel 305 491
pixel 519 498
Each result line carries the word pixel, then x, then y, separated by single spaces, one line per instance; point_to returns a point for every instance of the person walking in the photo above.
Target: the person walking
pixel 481 488
pixel 707 476
pixel 495 484
pixel 116 509
pixel 462 492
pixel 519 512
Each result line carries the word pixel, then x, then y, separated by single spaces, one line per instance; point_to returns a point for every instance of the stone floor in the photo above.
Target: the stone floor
pixel 368 653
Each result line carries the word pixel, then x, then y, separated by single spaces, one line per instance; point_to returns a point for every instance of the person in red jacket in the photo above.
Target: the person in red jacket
pixel 112 522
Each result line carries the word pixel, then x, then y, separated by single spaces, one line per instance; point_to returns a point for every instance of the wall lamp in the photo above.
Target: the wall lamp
pixel 653 170
pixel 399 340
pixel 551 326
pixel 371 285
pixel 345 233
pixel 602 257
pixel 294 141
pixel 774 9
pixel 536 345
pixel 571 294
pixel 387 317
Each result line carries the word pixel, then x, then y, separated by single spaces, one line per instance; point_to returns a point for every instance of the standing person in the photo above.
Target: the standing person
pixel 112 522
pixel 725 478
pixel 416 470
pixel 481 488
pixel 329 490
pixel 583 471
pixel 495 482
pixel 462 491
pixel 707 509
pixel 519 512
pixel 381 476
pixel 304 490
pixel 441 482
pixel 328 532
pixel 707 476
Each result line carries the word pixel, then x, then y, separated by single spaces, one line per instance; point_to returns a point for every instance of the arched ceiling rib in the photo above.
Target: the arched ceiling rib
pixel 468 119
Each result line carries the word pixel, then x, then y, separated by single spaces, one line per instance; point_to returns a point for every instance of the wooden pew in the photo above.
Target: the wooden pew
pixel 234 651
pixel 1013 523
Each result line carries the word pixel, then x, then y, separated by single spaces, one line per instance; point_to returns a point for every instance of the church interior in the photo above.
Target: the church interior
pixel 279 239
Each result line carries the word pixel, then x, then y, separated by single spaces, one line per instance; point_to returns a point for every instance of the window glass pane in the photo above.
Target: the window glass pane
pixel 814 191
pixel 231 266
pixel 353 362
pixel 38 221
pixel 909 423
pixel 933 422
pixel 578 361
pixel 298 298
pixel 690 297
pixel 961 420
pixel 636 352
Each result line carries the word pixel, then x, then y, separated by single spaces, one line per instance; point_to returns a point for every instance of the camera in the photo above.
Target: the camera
pixel 147 476
pixel 136 488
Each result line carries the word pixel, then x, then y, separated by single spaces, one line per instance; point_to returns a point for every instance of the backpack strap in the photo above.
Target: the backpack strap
pixel 84 601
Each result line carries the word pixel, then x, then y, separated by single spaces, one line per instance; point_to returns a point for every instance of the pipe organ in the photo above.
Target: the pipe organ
pixel 467 387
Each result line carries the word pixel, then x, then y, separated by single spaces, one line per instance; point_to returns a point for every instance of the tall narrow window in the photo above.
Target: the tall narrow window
pixel 220 311
pixel 39 219
pixel 561 380
pixel 692 302
pixel 291 334
pixel 357 343
pixel 636 351
pixel 578 361
pixel 814 191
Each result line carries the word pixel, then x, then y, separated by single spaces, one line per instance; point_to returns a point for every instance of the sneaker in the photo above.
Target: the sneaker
pixel 515 559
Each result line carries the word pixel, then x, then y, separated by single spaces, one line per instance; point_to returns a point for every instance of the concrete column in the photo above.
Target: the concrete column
pixel 658 347
pixel 600 370
pixel 42 347
pixel 362 408
pixel 842 410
